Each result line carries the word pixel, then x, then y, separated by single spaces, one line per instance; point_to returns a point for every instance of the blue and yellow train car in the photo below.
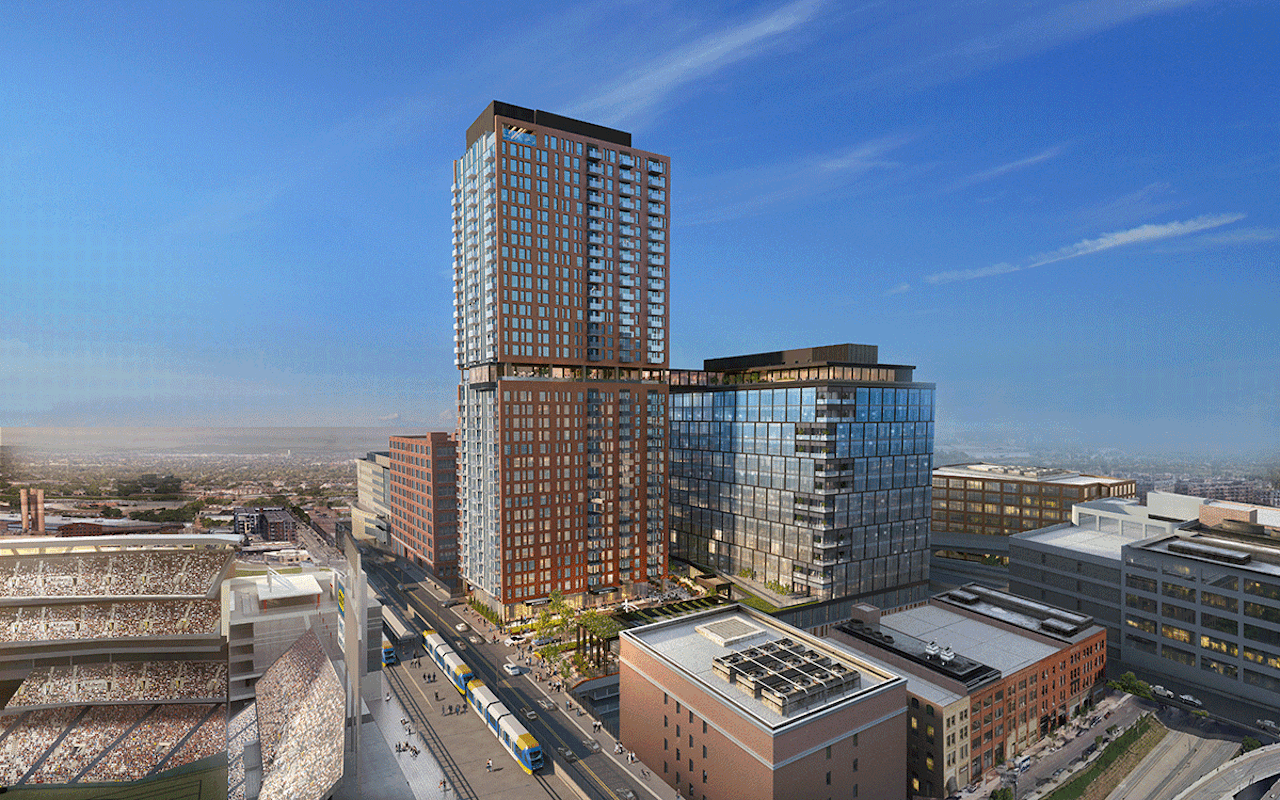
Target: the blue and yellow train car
pixel 513 736
pixel 454 668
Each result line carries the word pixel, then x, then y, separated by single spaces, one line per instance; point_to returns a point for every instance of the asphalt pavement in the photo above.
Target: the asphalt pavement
pixel 584 759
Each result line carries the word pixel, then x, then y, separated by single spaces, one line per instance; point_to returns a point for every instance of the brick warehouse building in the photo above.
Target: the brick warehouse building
pixel 560 310
pixel 423 490
pixel 730 704
pixel 988 675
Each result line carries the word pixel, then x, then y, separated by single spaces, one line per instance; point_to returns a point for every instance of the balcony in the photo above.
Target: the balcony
pixel 628 244
pixel 658 181
pixel 628 255
pixel 654 223
pixel 596 226
pixel 626 190
pixel 657 284
pixel 595 183
pixel 595 277
pixel 596 252
pixel 595 212
pixel 657 247
pixel 657 297
pixel 656 168
pixel 596 238
pixel 626 216
pixel 628 203
pixel 628 230
pixel 657 235
pixel 657 195
pixel 593 152
pixel 626 160
pixel 657 208
pixel 595 197
pixel 626 175
pixel 595 169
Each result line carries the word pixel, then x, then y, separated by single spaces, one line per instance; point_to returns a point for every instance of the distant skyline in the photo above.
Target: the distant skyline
pixel 1063 213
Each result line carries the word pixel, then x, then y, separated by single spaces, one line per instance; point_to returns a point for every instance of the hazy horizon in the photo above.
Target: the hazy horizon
pixel 1062 212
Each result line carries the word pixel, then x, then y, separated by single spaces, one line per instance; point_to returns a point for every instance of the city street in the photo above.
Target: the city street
pixel 573 751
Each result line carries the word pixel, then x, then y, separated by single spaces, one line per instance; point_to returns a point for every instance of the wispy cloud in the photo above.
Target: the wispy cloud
pixel 1005 169
pixel 1240 236
pixel 905 54
pixel 649 85
pixel 748 191
pixel 1138 235
pixel 1150 201
pixel 899 289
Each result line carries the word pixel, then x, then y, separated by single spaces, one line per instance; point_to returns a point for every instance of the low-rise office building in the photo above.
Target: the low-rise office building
pixel 730 704
pixel 988 675
pixel 977 507
pixel 371 513
pixel 1198 599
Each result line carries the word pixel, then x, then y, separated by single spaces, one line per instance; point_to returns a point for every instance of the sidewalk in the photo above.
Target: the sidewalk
pixel 654 785
pixel 1052 744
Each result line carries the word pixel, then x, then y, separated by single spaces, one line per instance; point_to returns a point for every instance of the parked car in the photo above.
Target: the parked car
pixel 542 640
pixel 1268 725
pixel 1160 691
pixel 462 627
pixel 513 641
pixel 1190 700
pixel 511 669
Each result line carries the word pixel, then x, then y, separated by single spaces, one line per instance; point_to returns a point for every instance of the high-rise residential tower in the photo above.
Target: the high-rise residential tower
pixel 560 232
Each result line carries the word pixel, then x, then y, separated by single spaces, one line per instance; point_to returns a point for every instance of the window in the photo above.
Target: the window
pixel 664 720
pixel 828 752
pixel 855 765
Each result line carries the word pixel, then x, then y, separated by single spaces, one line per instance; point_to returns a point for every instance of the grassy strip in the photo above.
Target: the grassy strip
pixel 1129 749
pixel 748 599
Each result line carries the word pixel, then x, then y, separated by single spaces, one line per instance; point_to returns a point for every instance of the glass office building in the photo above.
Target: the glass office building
pixel 807 470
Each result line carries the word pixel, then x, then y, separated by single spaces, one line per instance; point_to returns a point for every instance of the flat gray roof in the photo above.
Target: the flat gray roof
pixel 920 687
pixel 1086 541
pixel 1005 650
pixel 1004 472
pixel 686 649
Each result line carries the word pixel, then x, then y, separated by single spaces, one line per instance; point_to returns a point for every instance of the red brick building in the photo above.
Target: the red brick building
pixel 731 704
pixel 424 502
pixel 988 675
pixel 561 237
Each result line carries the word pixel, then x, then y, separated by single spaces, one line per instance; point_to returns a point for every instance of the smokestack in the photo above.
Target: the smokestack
pixel 39 511
pixel 26 507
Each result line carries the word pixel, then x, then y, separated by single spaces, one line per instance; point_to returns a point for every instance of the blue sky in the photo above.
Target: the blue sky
pixel 1064 213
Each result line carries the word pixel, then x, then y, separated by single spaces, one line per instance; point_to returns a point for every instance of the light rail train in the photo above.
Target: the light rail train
pixel 503 724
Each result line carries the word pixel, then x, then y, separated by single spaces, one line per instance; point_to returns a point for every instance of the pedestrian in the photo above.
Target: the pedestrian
pixel 437 697
pixel 388 697
pixel 441 783
pixel 488 767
